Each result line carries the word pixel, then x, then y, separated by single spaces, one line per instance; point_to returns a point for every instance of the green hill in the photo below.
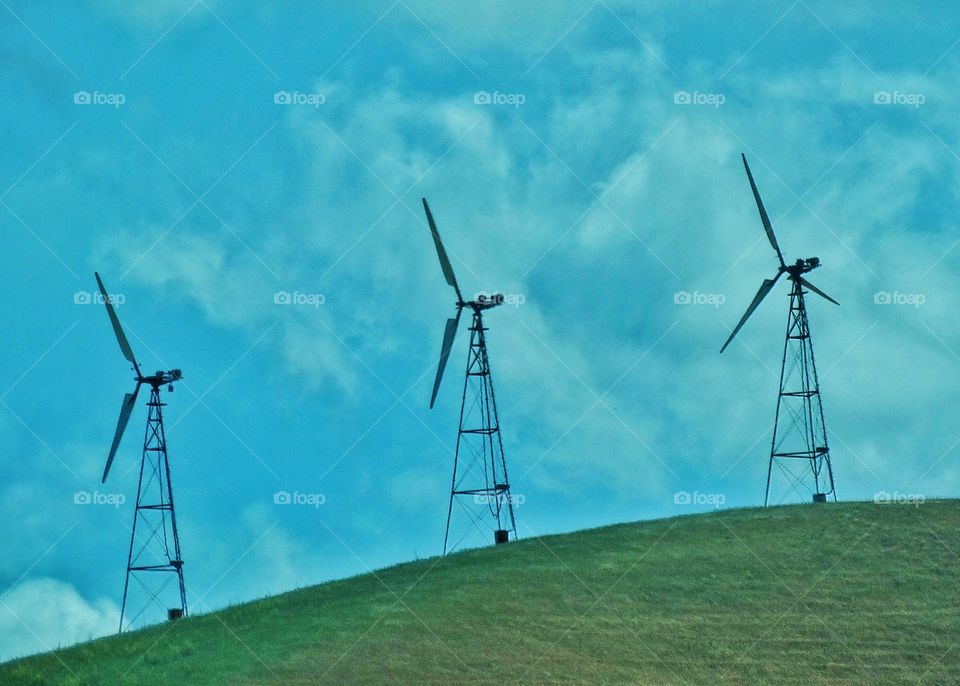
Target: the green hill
pixel 848 593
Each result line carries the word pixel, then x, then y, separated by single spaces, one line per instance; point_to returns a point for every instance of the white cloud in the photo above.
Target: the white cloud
pixel 233 290
pixel 521 26
pixel 158 15
pixel 43 613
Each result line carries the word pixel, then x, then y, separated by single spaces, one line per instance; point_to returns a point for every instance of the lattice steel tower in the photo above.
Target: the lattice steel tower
pixel 799 430
pixel 479 486
pixel 157 547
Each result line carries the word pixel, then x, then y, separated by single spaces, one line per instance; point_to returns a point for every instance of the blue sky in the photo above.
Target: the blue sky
pixel 598 198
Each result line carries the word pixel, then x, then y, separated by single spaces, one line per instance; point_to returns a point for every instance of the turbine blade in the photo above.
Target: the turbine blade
pixel 449 332
pixel 767 226
pixel 765 288
pixel 817 290
pixel 441 253
pixel 125 409
pixel 117 329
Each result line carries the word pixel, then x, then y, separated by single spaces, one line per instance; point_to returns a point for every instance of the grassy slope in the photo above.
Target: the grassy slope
pixel 847 593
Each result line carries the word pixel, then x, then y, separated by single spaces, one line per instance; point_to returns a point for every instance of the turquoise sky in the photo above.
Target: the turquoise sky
pixel 204 156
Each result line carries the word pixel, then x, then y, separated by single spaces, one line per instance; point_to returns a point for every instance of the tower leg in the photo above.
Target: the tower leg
pixel 799 430
pixel 154 554
pixel 480 485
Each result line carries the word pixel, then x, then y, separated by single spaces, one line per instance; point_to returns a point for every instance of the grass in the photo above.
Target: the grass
pixel 840 593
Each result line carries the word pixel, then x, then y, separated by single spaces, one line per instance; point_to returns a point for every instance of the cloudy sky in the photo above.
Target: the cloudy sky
pixel 584 156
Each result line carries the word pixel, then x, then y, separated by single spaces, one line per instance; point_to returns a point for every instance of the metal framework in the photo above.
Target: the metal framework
pixel 480 485
pixel 799 429
pixel 154 555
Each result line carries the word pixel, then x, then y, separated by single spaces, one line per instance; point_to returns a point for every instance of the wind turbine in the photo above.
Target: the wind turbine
pixel 799 408
pixel 158 550
pixel 479 485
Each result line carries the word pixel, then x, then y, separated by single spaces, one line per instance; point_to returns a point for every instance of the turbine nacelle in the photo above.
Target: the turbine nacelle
pixel 802 266
pixel 485 302
pixel 161 377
